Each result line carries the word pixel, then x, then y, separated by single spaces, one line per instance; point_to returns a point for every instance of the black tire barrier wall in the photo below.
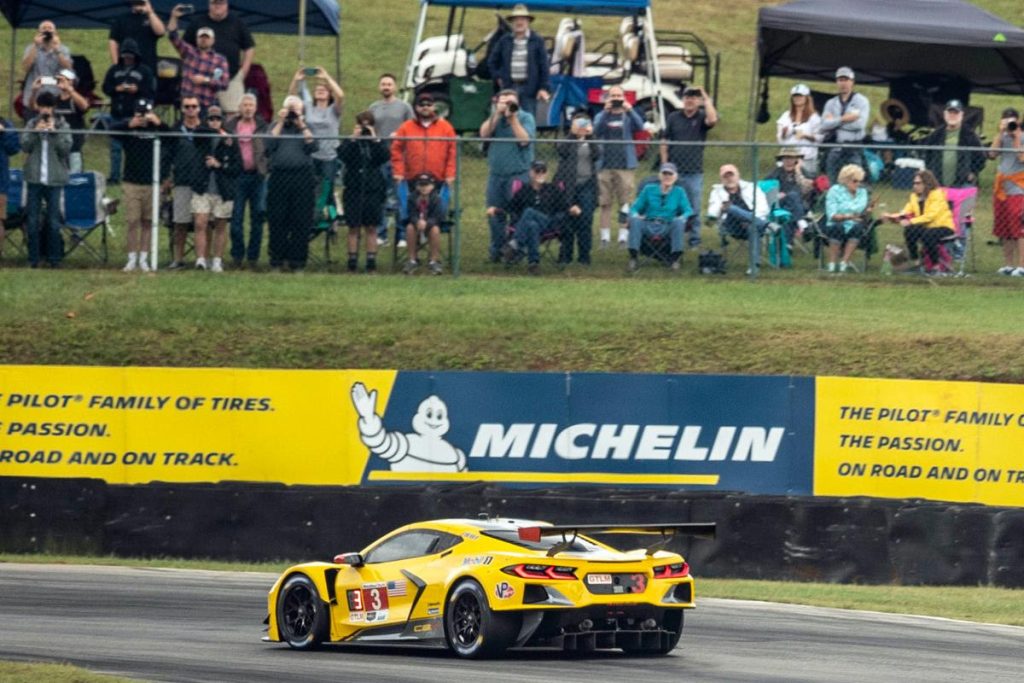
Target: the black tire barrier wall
pixel 838 540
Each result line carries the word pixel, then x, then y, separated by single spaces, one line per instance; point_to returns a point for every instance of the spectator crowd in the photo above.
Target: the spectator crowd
pixel 221 161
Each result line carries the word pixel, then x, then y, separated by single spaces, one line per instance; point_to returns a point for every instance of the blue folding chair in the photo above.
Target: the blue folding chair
pixel 15 223
pixel 400 256
pixel 85 214
pixel 778 243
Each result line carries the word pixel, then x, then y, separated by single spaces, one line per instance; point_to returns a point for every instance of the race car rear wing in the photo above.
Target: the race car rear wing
pixel 569 532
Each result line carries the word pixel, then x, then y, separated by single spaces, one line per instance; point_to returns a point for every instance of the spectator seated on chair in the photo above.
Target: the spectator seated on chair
pixel 47 143
pixel 661 210
pixel 926 219
pixel 741 209
pixel 533 210
pixel 846 207
pixel 794 187
pixel 426 212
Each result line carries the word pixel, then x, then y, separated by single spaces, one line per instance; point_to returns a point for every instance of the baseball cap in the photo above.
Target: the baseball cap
pixel 128 45
pixel 669 167
pixel 728 168
pixel 214 110
pixel 424 98
pixel 955 105
pixel 539 165
pixel 845 72
pixel 799 89
pixel 1010 113
pixel 205 31
pixel 691 92
pixel 425 179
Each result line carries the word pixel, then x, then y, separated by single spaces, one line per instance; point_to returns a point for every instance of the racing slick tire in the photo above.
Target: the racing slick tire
pixel 303 619
pixel 472 629
pixel 673 621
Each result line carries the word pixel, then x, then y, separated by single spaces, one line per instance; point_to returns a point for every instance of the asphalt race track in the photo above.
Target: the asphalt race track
pixel 175 625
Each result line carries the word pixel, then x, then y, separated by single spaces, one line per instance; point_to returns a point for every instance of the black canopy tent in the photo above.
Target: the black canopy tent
pixel 887 40
pixel 322 17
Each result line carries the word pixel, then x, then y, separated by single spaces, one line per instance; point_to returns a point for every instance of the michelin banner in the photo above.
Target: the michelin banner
pixel 365 427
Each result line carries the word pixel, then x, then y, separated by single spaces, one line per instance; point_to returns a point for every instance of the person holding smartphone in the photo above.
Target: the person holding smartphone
pixel 204 72
pixel 46 142
pixel 143 27
pixel 323 115
pixel 1008 192
pixel 44 57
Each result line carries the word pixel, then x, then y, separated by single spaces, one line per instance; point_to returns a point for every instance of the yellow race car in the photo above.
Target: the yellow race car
pixel 482 586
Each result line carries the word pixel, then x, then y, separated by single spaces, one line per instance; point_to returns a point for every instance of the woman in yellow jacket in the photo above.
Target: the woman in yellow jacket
pixel 926 218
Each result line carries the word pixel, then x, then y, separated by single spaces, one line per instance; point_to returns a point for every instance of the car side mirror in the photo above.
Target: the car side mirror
pixel 351 559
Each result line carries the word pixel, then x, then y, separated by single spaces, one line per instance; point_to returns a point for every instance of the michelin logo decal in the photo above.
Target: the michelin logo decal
pixel 425 449
pixel 422 451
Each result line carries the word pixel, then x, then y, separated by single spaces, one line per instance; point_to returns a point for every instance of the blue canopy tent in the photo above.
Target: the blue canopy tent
pixel 575 7
pixel 323 17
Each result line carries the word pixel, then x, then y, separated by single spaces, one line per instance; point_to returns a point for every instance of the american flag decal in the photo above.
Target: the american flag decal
pixel 396 588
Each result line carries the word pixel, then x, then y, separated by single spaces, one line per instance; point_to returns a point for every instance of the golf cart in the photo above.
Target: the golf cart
pixel 455 71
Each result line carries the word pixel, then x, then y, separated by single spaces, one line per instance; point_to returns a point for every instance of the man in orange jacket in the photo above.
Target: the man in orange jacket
pixel 424 144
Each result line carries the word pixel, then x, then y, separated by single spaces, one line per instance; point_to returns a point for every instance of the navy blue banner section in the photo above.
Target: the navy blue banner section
pixel 701 432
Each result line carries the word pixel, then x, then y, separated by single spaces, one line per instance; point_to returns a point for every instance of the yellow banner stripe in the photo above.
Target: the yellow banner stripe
pixel 549 477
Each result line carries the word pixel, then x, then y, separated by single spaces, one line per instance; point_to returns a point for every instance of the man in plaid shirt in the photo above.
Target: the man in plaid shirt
pixel 204 72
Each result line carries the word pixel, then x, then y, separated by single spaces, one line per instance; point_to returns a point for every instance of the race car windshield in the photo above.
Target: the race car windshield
pixel 579 544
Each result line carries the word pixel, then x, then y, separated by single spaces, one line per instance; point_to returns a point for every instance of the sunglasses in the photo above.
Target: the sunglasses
pixel 424 104
pixel 190 106
pixel 215 117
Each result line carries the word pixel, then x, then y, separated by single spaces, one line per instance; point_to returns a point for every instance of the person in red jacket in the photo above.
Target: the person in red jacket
pixel 424 144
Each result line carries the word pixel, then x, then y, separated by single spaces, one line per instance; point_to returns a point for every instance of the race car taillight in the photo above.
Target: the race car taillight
pixel 540 571
pixel 672 571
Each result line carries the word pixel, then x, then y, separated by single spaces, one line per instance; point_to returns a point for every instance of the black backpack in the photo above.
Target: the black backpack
pixel 710 263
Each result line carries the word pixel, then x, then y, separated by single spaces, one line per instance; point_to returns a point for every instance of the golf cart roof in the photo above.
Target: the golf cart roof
pixel 571 7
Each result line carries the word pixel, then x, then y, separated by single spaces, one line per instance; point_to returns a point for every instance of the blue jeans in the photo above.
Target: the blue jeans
pixel 389 181
pixel 693 185
pixel 529 228
pixel 641 227
pixel 33 205
pixel 499 191
pixel 743 225
pixel 838 157
pixel 251 188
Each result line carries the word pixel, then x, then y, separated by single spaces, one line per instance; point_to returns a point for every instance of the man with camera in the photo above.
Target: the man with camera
pixel 690 124
pixel 506 161
pixel 43 59
pixel 204 73
pixel 1008 192
pixel 366 190
pixel 233 40
pixel 137 191
pixel 47 144
pixel 125 83
pixel 142 26
pixel 616 182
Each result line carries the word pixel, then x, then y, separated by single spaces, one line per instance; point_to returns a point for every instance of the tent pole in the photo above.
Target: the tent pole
pixel 752 106
pixel 302 32
pixel 654 69
pixel 337 47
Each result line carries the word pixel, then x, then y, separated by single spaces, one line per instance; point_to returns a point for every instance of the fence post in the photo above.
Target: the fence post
pixel 754 234
pixel 154 238
pixel 457 205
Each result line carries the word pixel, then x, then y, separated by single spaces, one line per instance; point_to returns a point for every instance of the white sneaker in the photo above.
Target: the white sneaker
pixel 843 265
pixel 130 266
pixel 832 266
pixel 218 266
pixel 200 263
pixel 402 244
pixel 1006 270
pixel 144 265
pixel 1018 272
pixel 773 228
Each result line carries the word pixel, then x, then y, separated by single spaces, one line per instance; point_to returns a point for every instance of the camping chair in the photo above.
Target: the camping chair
pixel 550 239
pixel 399 255
pixel 86 210
pixel 657 248
pixel 953 250
pixel 15 223
pixel 779 244
pixel 866 247
pixel 328 221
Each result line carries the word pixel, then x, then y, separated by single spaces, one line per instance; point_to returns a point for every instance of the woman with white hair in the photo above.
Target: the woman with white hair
pixel 846 207
pixel 323 116
pixel 800 126
pixel 290 188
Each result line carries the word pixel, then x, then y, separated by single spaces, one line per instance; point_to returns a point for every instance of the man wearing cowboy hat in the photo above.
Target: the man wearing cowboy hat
pixel 954 167
pixel 794 186
pixel 519 61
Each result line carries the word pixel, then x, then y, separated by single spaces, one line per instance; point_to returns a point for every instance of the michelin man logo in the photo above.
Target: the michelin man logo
pixel 425 450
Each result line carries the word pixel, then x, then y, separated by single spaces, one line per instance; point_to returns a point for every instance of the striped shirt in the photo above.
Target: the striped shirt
pixel 209 64
pixel 517 68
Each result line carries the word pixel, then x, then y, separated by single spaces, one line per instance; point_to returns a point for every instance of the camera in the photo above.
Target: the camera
pixel 47 36
pixel 617 104
pixel 310 71
pixel 291 117
pixel 187 9
pixel 513 107
pixel 365 130
pixel 47 80
pixel 1012 126
pixel 44 117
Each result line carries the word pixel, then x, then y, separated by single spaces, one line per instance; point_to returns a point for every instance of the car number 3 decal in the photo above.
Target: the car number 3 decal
pixel 639 584
pixel 370 597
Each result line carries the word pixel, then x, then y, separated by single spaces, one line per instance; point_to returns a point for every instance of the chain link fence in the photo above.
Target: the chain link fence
pixel 555 206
